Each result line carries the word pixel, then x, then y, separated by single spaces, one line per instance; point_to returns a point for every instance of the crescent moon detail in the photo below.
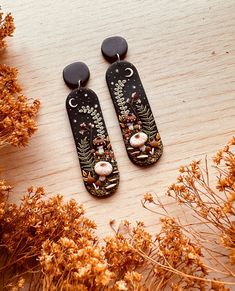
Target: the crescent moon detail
pixel 71 104
pixel 130 74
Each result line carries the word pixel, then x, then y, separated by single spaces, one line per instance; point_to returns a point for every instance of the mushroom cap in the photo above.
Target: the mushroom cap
pixel 103 168
pixel 99 141
pixel 138 140
pixel 130 117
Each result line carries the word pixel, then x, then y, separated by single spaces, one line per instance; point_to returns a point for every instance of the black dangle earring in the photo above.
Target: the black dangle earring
pixel 139 130
pixel 96 157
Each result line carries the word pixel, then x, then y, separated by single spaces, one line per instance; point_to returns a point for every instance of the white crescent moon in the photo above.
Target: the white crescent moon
pixel 131 72
pixel 71 104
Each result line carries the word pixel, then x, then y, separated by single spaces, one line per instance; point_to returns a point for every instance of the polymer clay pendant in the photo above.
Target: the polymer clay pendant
pixel 98 164
pixel 139 129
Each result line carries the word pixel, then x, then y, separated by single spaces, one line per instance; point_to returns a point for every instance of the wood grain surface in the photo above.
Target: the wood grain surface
pixel 185 54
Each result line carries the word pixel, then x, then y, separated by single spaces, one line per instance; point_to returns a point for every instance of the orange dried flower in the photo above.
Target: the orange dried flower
pixel 78 264
pixel 122 251
pixel 17 117
pixel 7 27
pixel 4 190
pixel 31 233
pixel 148 197
pixel 213 205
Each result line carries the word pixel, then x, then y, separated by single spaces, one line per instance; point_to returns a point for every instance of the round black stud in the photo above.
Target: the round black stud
pixel 76 75
pixel 112 47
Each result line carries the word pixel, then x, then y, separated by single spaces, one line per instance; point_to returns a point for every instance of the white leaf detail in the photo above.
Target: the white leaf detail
pixel 119 97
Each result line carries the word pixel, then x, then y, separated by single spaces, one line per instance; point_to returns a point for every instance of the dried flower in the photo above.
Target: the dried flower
pixel 4 191
pixel 27 229
pixel 148 197
pixel 79 264
pixel 17 118
pixel 6 27
pixel 214 205
pixel 122 251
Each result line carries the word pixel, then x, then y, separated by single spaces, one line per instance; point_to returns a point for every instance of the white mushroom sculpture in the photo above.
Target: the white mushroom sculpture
pixel 103 169
pixel 138 140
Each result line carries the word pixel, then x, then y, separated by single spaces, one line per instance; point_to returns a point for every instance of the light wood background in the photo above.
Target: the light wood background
pixel 185 54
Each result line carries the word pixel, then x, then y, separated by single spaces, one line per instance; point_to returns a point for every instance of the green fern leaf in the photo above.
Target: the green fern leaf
pixel 85 156
pixel 147 119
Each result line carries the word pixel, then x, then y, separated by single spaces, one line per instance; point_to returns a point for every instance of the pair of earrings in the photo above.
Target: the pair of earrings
pixel 140 134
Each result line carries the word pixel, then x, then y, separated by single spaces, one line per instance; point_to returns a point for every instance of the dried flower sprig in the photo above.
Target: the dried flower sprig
pixel 169 261
pixel 183 258
pixel 7 27
pixel 29 229
pixel 70 265
pixel 213 204
pixel 4 191
pixel 17 117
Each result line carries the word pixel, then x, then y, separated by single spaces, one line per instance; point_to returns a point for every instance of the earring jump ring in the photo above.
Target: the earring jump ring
pixel 118 57
pixel 79 84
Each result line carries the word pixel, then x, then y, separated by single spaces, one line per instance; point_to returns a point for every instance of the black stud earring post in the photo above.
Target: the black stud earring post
pixel 98 164
pixel 140 134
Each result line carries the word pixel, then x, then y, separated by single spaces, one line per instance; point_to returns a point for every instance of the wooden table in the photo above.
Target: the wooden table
pixel 185 54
